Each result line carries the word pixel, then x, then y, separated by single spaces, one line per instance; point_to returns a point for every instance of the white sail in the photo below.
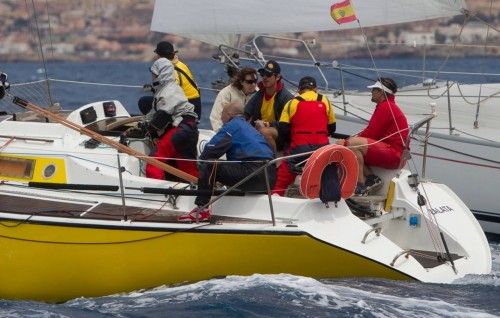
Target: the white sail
pixel 216 21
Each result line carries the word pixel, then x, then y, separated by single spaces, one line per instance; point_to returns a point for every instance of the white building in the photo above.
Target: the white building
pixel 417 37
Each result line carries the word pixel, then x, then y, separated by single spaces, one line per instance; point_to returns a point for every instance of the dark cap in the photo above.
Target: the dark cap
pixel 165 49
pixel 307 82
pixel 271 67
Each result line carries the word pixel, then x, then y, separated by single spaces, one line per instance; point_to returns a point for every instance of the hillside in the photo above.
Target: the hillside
pixel 119 30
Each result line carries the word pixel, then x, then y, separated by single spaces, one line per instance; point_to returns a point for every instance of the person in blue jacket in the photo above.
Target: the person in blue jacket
pixel 246 151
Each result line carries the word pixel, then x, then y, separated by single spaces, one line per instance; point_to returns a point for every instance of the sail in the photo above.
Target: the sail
pixel 217 22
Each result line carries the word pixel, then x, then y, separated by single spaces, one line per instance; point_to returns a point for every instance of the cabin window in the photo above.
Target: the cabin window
pixel 109 109
pixel 17 168
pixel 88 115
pixel 49 171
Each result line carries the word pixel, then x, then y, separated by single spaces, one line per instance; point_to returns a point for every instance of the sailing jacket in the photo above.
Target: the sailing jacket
pixel 253 107
pixel 228 94
pixel 169 100
pixel 239 141
pixel 185 79
pixel 383 124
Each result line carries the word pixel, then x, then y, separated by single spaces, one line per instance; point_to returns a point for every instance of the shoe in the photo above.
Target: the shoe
pixel 203 216
pixel 361 190
pixel 373 183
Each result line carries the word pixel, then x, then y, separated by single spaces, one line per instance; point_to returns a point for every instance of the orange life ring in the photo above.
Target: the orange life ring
pixel 310 183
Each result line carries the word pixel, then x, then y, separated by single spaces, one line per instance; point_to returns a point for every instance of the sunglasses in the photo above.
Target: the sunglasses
pixel 252 81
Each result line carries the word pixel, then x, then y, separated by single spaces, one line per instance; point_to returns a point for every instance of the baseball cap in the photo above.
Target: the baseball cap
pixel 164 48
pixel 307 82
pixel 271 67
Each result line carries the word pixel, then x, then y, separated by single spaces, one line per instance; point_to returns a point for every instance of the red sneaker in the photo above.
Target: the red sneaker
pixel 203 216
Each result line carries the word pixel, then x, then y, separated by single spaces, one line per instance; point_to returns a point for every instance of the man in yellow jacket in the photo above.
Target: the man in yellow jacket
pixel 183 75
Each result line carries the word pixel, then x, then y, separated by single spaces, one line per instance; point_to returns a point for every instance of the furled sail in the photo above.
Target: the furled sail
pixel 217 22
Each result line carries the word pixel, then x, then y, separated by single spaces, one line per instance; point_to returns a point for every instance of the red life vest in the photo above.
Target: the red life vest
pixel 309 124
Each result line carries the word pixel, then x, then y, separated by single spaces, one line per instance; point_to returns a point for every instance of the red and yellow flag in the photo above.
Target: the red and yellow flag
pixel 343 12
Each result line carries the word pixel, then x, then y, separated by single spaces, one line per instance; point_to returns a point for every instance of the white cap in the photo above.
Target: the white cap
pixel 378 84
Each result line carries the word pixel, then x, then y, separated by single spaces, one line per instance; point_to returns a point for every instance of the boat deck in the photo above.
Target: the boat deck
pixel 101 211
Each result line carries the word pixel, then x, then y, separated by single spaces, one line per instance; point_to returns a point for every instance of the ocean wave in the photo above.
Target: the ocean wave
pixel 285 295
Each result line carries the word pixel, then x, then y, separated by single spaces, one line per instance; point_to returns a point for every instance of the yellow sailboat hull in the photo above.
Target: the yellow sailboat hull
pixel 56 263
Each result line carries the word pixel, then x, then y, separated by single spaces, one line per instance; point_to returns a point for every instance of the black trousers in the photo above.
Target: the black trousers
pixel 229 173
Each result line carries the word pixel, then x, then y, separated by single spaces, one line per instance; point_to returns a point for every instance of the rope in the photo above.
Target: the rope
pixel 2 147
pixel 452 48
pixel 35 15
pixel 378 76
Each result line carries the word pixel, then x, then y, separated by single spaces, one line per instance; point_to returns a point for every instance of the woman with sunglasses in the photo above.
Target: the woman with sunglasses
pixel 240 90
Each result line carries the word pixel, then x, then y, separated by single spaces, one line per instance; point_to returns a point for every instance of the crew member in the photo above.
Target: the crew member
pixel 382 142
pixel 265 107
pixel 305 123
pixel 173 121
pixel 247 151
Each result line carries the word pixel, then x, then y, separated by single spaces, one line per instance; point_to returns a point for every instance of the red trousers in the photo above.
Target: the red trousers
pixel 166 149
pixel 284 178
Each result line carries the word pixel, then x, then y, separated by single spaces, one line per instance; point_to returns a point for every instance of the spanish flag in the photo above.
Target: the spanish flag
pixel 343 12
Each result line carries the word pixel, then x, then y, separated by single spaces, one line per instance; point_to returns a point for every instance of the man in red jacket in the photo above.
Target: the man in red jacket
pixel 381 143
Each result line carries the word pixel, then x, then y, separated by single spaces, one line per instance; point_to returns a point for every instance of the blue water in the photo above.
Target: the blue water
pixel 73 95
pixel 257 295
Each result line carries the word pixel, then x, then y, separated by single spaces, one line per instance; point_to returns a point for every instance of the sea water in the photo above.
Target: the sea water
pixel 280 295
pixel 86 82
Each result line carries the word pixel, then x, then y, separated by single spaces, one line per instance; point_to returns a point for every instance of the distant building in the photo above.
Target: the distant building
pixel 62 48
pixel 417 37
pixel 14 48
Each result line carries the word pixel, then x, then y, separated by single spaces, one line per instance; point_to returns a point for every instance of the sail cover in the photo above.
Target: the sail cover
pixel 218 22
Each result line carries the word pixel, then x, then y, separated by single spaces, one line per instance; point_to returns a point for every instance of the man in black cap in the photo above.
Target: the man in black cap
pixel 305 124
pixel 264 108
pixel 183 77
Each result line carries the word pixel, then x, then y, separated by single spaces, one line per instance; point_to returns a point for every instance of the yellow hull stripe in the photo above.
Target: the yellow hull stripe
pixel 57 263
pixel 41 169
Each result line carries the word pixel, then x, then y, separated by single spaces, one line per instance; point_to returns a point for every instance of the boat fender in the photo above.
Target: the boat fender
pixel 345 159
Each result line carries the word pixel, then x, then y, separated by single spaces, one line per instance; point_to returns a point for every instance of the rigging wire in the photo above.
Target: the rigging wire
pixel 50 29
pixel 41 53
pixel 476 122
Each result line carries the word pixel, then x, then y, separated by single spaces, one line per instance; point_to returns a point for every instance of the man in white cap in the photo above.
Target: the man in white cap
pixel 381 143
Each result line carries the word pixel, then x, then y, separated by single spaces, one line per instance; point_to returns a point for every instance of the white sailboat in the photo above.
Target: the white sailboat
pixel 79 218
pixel 465 138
